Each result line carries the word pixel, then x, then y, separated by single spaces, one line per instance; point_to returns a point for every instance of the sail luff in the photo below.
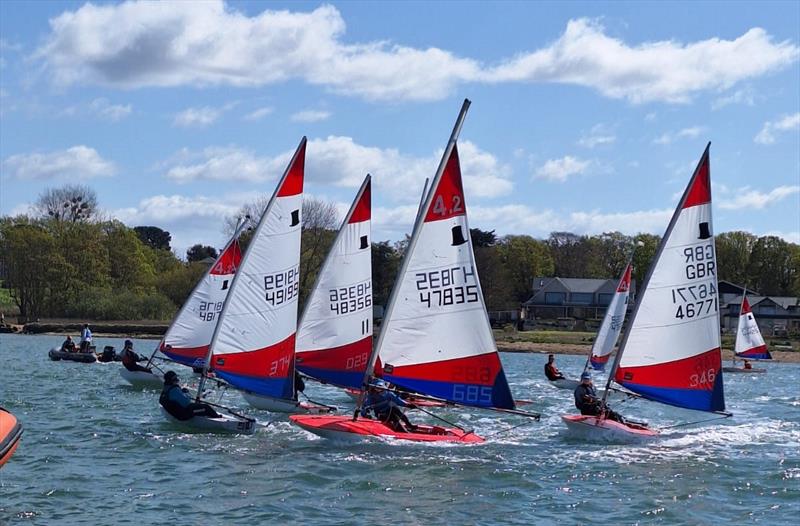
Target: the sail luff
pixel 415 235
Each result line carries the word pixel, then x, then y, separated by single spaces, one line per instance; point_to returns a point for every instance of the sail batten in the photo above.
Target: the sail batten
pixel 671 349
pixel 334 338
pixel 253 345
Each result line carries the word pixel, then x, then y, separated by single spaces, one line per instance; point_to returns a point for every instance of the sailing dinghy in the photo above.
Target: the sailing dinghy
pixel 436 339
pixel 750 344
pixel 611 327
pixel 671 349
pixel 189 335
pixel 252 347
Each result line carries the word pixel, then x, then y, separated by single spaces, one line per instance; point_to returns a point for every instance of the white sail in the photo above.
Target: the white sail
pixel 749 342
pixel 253 346
pixel 612 323
pixel 671 352
pixel 334 339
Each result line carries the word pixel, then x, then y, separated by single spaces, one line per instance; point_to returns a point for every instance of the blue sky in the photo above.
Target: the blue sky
pixel 586 117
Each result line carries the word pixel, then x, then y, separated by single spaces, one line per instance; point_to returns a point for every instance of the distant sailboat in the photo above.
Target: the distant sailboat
pixel 436 339
pixel 611 327
pixel 671 349
pixel 750 344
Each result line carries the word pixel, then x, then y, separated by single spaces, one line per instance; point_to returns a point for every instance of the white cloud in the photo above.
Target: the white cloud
pixel 310 116
pixel 258 114
pixel 745 96
pixel 138 44
pixel 746 198
pixel 341 161
pixel 559 170
pixel 685 133
pixel 791 237
pixel 197 117
pixel 113 112
pixel 785 123
pixel 597 136
pixel 78 162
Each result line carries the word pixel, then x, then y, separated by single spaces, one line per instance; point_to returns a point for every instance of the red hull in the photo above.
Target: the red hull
pixel 344 427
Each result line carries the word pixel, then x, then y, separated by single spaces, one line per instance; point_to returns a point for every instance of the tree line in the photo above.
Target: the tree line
pixel 66 260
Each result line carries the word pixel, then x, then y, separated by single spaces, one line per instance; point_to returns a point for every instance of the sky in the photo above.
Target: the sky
pixel 585 117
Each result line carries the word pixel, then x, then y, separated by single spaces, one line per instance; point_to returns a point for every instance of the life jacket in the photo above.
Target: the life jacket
pixel 128 358
pixel 172 407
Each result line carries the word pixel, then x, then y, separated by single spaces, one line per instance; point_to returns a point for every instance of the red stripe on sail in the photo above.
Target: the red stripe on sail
pixel 700 191
pixel 351 357
pixel 695 372
pixel 275 361
pixel 448 196
pixel 754 351
pixel 363 209
pixel 228 261
pixel 477 370
pixel 293 184
pixel 745 306
pixel 625 282
pixel 186 352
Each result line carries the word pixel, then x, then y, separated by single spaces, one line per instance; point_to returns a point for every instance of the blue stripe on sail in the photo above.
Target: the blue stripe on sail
pixel 340 378
pixel 183 360
pixel 498 396
pixel 759 356
pixel 276 388
pixel 697 399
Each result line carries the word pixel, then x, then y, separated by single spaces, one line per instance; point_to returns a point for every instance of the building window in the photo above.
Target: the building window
pixel 554 298
pixel 604 298
pixel 582 298
pixel 766 309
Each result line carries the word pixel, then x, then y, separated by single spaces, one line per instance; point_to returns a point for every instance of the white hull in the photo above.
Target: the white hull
pixel 565 383
pixel 141 379
pixel 593 429
pixel 278 405
pixel 223 424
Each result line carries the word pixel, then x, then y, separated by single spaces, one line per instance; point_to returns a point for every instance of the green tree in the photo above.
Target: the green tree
pixel 643 256
pixel 154 237
pixel 733 256
pixel 200 252
pixel 385 266
pixel 523 258
pixel 771 266
pixel 129 266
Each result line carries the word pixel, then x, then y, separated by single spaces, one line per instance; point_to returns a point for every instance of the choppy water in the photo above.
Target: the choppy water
pixel 97 452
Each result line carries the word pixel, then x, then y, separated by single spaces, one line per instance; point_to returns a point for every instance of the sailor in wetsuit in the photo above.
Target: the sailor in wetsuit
pixel 177 403
pixel 550 369
pixel 129 358
pixel 588 403
pixel 385 405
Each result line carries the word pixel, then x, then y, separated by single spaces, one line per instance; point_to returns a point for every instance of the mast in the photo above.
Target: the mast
pixel 215 336
pixel 414 235
pixel 661 245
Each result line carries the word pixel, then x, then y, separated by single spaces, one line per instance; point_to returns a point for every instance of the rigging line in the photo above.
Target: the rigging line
pixel 722 416
pixel 441 419
pixel 308 398
pixel 231 411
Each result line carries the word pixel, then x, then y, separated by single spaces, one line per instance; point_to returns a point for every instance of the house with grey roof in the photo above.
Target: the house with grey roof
pixel 572 301
pixel 775 315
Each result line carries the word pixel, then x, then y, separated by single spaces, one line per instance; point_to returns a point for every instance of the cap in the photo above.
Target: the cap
pixel 586 376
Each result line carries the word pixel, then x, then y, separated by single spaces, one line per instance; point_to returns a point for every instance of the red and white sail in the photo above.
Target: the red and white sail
pixel 187 339
pixel 749 342
pixel 671 352
pixel 334 339
pixel 612 323
pixel 436 338
pixel 253 347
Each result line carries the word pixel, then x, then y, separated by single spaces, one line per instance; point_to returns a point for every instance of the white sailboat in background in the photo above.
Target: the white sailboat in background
pixel 436 339
pixel 671 349
pixel 749 344
pixel 613 320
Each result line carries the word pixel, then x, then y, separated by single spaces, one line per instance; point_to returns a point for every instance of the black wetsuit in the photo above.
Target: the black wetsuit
pixel 587 402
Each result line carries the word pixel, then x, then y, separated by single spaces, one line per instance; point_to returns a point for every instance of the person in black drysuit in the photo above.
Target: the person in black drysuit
pixel 130 359
pixel 68 345
pixel 299 384
pixel 385 405
pixel 588 403
pixel 550 369
pixel 177 403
